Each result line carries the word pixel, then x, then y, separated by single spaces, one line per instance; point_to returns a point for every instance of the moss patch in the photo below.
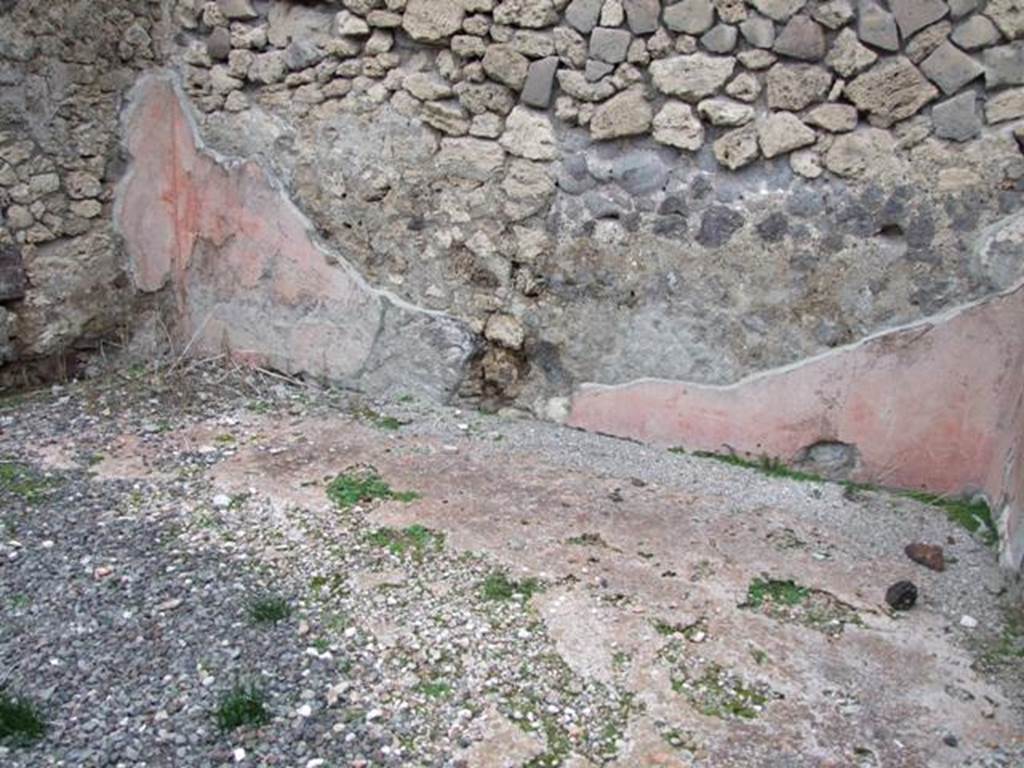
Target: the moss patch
pixel 24 482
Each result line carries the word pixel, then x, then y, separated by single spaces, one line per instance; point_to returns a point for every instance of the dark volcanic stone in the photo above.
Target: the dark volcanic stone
pixel 718 225
pixel 901 596
pixel 672 204
pixel 773 228
pixel 12 273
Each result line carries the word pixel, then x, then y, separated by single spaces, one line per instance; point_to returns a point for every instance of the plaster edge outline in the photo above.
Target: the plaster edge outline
pixel 834 383
pixel 459 342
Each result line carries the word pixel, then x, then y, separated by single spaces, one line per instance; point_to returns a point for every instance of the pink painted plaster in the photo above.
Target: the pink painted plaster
pixel 248 277
pixel 938 405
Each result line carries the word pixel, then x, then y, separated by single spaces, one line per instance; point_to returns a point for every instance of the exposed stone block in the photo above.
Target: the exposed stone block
pixel 758 31
pixel 1008 16
pixel 725 112
pixel 913 15
pixel 432 20
pixel 12 273
pixel 583 14
pixel 1007 105
pixel 950 68
pixel 782 132
pixel 834 14
pixel 891 91
pixel 626 114
pixel 835 118
pixel 721 38
pixel 505 64
pixel 1004 65
pixel 976 32
pixel 540 80
pixel 801 38
pixel 737 148
pixel 609 45
pixel 957 118
pixel 677 126
pixel 876 26
pixel 691 77
pixel 779 10
pixel 847 56
pixel 693 17
pixel 642 15
pixel 796 86
pixel 529 134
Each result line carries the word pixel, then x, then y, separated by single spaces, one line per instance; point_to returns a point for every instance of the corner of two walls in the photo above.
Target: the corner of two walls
pixel 604 190
pixel 63 70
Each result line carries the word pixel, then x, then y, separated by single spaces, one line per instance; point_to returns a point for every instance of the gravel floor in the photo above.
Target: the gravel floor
pixel 126 604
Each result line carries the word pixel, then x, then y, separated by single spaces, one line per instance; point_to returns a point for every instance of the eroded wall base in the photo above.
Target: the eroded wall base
pixel 249 278
pixel 936 405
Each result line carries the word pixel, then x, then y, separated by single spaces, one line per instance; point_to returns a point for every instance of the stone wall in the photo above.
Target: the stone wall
pixel 606 189
pixel 63 69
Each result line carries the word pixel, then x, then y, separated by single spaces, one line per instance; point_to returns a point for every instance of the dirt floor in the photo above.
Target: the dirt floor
pixel 401 584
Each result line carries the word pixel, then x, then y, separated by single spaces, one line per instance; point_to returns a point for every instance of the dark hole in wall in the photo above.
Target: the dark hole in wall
pixel 832 459
pixel 891 232
pixel 12 273
pixel 58 368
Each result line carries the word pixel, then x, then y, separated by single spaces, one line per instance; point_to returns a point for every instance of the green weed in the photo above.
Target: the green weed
pixel 434 689
pixel 766 465
pixel 971 515
pixel 348 489
pixel 779 592
pixel 387 423
pixel 416 539
pixel 20 720
pixel 719 693
pixel 588 540
pixel 1009 645
pixel 244 704
pixel 269 609
pixel 498 586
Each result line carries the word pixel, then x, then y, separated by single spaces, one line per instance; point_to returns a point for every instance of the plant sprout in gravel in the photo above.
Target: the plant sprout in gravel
pixel 243 705
pixel 416 539
pixel 269 609
pixel 20 721
pixel 498 586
